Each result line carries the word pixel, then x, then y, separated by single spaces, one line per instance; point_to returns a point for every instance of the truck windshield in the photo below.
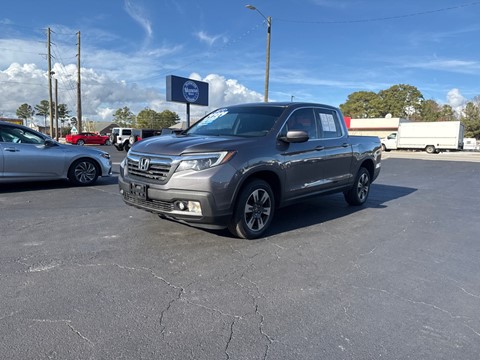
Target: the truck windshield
pixel 244 122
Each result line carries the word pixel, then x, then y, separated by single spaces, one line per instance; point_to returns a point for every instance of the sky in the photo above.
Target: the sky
pixel 321 51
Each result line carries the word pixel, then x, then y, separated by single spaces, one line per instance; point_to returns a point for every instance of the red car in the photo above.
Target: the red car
pixel 88 138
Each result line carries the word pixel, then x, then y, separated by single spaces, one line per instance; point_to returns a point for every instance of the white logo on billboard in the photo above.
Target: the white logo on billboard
pixel 190 91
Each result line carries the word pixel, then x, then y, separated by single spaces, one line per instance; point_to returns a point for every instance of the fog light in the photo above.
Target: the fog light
pixel 186 207
pixel 195 207
pixel 181 205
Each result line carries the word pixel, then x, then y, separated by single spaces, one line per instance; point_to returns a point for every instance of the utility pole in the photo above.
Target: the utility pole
pixel 79 92
pixel 56 109
pixel 50 100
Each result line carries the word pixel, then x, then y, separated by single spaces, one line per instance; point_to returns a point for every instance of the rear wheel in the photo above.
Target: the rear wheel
pixel 108 142
pixel 83 172
pixel 80 142
pixel 358 194
pixel 126 146
pixel 430 149
pixel 254 210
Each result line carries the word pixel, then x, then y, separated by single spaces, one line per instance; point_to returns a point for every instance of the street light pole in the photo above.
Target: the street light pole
pixel 269 34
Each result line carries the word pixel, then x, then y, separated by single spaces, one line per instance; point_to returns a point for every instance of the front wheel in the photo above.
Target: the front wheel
pixel 83 172
pixel 254 210
pixel 358 194
pixel 80 142
pixel 126 146
pixel 133 139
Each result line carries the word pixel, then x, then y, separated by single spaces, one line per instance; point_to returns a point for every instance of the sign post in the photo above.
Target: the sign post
pixel 187 91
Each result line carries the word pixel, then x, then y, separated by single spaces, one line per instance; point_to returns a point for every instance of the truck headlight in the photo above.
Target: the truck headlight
pixel 202 161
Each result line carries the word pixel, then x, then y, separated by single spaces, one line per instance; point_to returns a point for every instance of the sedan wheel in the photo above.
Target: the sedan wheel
pixel 254 210
pixel 83 172
pixel 80 142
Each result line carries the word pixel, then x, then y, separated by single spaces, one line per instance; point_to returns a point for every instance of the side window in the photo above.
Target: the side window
pixel 329 123
pixel 19 136
pixel 126 132
pixel 303 119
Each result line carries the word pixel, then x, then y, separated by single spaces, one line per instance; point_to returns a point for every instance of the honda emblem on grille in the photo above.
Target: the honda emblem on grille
pixel 143 164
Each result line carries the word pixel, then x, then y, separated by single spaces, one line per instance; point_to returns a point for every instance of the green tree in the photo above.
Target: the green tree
pixel 447 113
pixel 150 119
pixel 471 119
pixel 124 117
pixel 25 112
pixel 401 101
pixel 63 111
pixel 43 109
pixel 147 119
pixel 168 118
pixel 430 110
pixel 362 104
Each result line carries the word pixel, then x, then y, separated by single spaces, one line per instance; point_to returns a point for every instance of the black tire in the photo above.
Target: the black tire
pixel 132 139
pixel 430 149
pixel 358 194
pixel 384 148
pixel 80 142
pixel 253 211
pixel 83 172
pixel 126 146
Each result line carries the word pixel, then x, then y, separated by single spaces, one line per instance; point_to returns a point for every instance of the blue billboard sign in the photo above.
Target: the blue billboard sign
pixel 187 91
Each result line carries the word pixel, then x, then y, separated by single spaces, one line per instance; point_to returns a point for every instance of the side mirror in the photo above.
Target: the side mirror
pixel 295 136
pixel 49 143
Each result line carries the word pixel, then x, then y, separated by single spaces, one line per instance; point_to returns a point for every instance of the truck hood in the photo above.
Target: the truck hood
pixel 177 145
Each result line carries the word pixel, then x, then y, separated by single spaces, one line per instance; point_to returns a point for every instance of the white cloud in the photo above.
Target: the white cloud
pixel 209 39
pixel 103 94
pixel 138 14
pixel 29 84
pixel 456 100
pixel 106 113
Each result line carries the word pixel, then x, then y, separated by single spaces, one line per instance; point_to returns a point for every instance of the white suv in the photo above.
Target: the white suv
pixel 120 138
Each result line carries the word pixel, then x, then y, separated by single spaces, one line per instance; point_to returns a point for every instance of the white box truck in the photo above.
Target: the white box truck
pixel 432 136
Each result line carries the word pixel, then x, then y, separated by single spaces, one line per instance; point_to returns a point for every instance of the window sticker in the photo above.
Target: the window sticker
pixel 213 116
pixel 328 123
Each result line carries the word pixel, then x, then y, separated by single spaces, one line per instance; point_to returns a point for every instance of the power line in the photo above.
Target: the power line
pixel 393 17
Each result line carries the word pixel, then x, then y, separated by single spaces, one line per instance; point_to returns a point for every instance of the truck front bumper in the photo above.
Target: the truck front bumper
pixel 174 204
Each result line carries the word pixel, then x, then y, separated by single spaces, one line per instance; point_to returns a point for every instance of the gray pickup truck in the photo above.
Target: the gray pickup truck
pixel 238 164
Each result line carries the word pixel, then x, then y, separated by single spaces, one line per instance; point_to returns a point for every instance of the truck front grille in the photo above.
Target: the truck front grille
pixel 157 170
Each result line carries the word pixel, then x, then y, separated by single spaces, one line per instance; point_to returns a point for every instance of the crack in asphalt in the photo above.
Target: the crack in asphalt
pixel 69 324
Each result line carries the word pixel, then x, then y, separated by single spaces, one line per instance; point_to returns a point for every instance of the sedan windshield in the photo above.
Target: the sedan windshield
pixel 243 121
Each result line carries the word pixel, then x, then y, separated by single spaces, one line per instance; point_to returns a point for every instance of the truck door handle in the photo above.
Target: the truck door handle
pixel 320 148
pixel 345 145
pixel 11 149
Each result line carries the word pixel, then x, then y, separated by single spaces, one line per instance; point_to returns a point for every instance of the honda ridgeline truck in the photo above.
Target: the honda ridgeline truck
pixel 238 164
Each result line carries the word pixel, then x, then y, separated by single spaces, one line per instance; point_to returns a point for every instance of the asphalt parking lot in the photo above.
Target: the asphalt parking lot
pixel 84 276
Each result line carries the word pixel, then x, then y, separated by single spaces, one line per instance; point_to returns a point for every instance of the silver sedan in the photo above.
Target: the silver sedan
pixel 27 155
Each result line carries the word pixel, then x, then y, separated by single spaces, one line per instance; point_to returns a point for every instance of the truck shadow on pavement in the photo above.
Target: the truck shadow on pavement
pixel 326 208
pixel 322 209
